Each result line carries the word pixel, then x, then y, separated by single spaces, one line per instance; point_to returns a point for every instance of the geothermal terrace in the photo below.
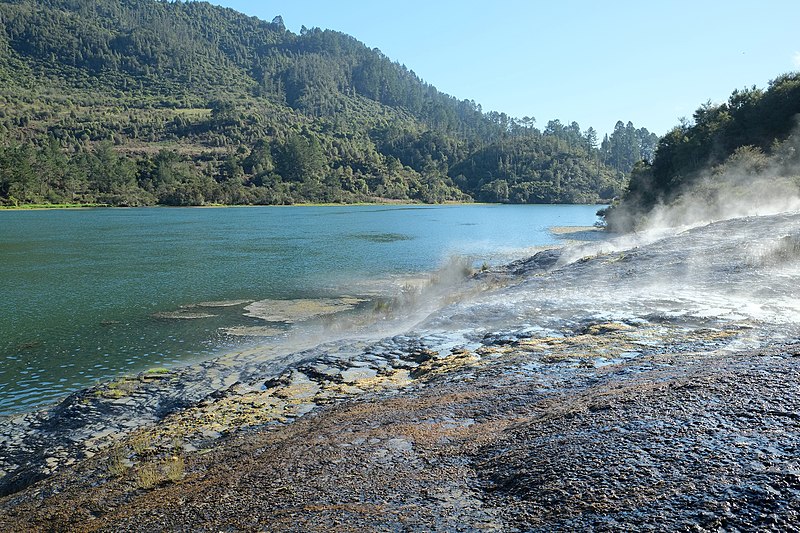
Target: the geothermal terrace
pixel 647 381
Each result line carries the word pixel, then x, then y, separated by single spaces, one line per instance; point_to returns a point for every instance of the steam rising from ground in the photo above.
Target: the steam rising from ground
pixel 384 307
pixel 724 253
pixel 740 274
pixel 748 183
pixel 677 266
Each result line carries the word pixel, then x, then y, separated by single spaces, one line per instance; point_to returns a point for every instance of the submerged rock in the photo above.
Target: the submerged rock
pixel 253 331
pixel 223 303
pixel 300 310
pixel 181 315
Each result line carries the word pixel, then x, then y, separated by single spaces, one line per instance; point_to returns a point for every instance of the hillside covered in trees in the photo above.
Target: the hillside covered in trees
pixel 139 102
pixel 745 151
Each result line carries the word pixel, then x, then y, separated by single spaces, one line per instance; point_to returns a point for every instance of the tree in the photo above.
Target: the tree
pixel 554 128
pixel 223 112
pixel 278 22
pixel 528 122
pixel 591 139
pixel 259 162
pixel 300 159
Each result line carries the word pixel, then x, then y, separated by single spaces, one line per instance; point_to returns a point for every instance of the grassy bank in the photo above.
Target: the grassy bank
pixel 28 207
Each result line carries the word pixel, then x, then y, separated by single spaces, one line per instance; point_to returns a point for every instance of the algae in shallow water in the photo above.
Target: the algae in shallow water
pixel 291 311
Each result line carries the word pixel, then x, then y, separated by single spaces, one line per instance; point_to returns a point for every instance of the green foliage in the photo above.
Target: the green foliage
pixel 185 103
pixel 742 132
pixel 300 159
pixel 538 170
pixel 627 146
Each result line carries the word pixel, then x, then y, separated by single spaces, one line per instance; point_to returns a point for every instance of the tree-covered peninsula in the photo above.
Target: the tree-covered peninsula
pixel 141 102
pixel 738 157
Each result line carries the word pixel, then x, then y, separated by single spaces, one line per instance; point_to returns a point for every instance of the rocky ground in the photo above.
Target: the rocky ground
pixel 585 394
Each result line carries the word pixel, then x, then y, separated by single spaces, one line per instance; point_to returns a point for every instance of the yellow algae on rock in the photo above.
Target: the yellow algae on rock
pixel 607 327
pixel 456 361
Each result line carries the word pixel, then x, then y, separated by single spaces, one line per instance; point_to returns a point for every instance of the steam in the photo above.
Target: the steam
pixel 679 264
pixel 734 192
pixel 383 308
pixel 748 183
pixel 732 274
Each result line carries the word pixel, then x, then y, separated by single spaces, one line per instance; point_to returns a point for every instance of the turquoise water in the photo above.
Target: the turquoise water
pixel 80 288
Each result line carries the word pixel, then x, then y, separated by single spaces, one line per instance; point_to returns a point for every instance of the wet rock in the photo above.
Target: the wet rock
pixel 499 339
pixel 421 356
pixel 354 375
pixel 20 479
pixel 541 261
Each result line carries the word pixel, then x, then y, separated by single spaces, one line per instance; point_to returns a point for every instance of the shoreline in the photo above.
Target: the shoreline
pixel 486 415
pixel 48 207
pixel 113 410
pixel 168 311
pixel 388 202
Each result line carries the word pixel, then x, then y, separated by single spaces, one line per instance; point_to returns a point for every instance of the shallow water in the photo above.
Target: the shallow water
pixel 90 294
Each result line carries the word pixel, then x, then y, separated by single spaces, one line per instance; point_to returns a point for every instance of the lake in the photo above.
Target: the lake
pixel 92 294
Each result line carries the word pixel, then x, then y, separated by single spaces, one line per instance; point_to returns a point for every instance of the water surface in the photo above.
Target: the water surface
pixel 88 294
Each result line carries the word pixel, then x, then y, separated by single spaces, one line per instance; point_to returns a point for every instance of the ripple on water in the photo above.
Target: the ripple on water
pixel 382 237
pixel 253 331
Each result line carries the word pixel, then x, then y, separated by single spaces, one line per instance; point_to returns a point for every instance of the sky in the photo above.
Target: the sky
pixel 593 62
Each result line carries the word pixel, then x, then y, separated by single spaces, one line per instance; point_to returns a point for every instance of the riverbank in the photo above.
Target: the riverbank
pixel 376 202
pixel 650 385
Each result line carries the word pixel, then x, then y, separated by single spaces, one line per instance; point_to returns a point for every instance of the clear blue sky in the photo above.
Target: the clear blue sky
pixel 594 62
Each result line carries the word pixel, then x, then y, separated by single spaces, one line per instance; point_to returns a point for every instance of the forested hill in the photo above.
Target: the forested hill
pixel 137 102
pixel 745 151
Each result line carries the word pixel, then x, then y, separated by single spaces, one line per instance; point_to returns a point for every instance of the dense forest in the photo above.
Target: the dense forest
pixel 750 140
pixel 140 102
